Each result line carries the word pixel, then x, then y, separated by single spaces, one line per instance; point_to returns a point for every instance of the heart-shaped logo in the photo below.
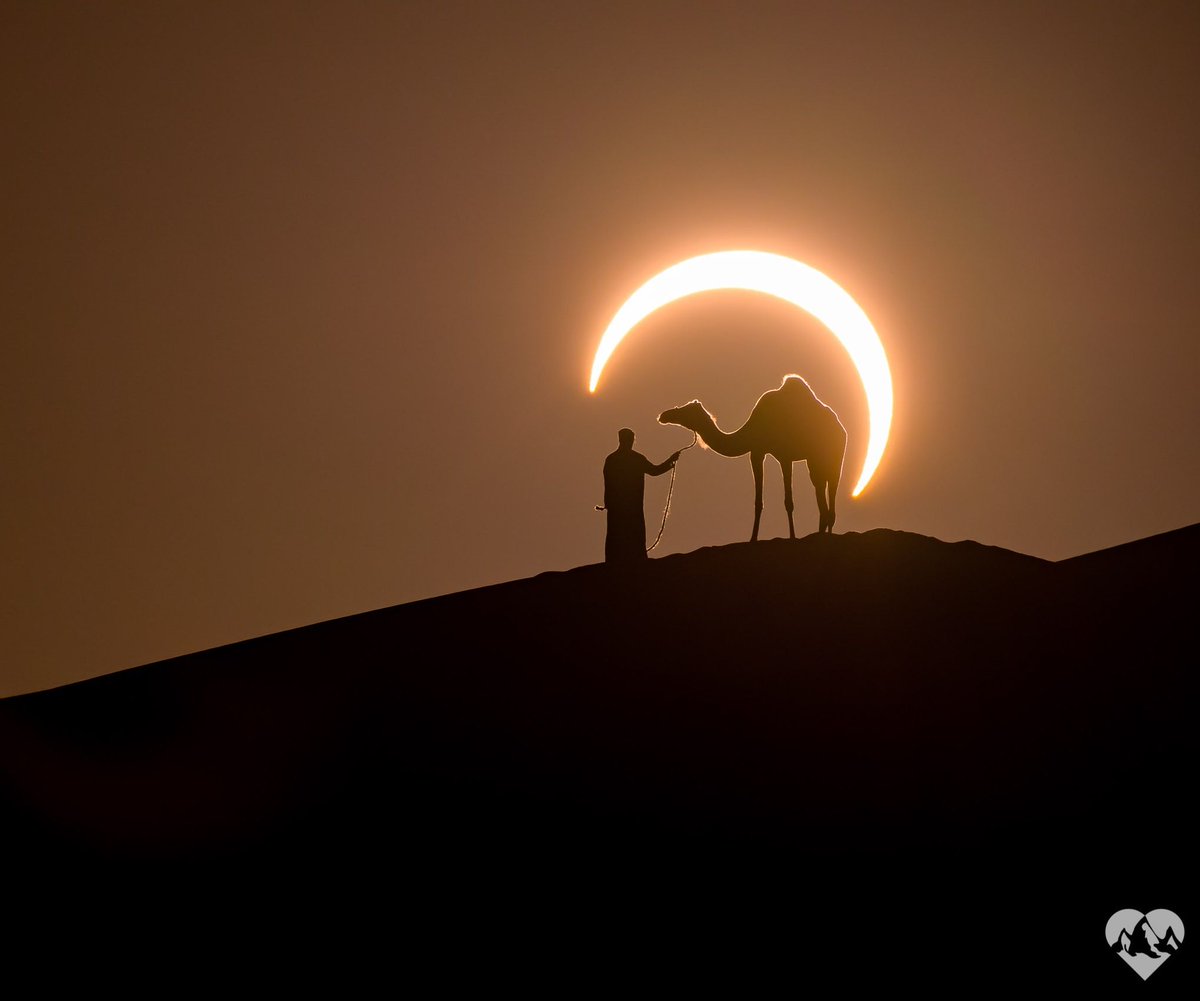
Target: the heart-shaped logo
pixel 1144 941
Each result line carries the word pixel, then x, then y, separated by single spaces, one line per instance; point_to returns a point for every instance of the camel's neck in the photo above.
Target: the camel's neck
pixel 731 443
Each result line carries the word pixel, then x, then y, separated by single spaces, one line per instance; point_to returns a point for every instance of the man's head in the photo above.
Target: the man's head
pixel 625 437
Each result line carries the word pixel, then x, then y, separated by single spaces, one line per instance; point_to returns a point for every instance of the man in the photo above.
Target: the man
pixel 624 490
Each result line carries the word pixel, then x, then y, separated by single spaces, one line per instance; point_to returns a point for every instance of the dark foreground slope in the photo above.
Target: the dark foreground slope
pixel 880 703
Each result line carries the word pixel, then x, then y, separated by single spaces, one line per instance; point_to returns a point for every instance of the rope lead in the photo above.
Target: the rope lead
pixel 670 490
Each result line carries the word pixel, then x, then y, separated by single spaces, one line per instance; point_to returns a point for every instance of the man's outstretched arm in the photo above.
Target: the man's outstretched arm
pixel 663 466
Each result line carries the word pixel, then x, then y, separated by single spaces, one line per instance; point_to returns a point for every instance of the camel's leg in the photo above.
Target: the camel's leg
pixel 833 489
pixel 786 468
pixel 818 482
pixel 756 463
pixel 822 508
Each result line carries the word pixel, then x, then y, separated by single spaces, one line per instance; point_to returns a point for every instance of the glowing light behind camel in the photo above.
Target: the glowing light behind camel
pixel 785 279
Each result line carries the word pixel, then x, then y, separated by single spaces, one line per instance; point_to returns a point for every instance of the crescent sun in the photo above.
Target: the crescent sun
pixel 785 279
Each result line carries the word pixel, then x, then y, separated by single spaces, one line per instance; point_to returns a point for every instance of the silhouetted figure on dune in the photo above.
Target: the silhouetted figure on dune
pixel 624 491
pixel 789 423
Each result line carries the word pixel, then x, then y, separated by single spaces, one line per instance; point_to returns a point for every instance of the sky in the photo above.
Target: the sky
pixel 300 299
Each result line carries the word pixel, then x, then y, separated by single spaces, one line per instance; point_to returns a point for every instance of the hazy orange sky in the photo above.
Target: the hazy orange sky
pixel 300 299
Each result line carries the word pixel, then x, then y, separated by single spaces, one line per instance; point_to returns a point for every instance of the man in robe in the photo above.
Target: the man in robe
pixel 624 491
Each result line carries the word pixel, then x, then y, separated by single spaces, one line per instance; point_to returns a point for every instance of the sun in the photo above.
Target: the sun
pixel 787 279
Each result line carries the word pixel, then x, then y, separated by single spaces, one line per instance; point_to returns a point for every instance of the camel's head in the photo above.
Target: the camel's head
pixel 687 416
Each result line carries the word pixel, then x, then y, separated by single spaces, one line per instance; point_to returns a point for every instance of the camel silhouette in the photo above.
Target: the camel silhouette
pixel 789 423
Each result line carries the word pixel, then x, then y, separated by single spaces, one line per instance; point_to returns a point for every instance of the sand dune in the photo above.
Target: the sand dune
pixel 866 699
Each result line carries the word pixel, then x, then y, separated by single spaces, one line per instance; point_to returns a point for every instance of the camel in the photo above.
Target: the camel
pixel 789 423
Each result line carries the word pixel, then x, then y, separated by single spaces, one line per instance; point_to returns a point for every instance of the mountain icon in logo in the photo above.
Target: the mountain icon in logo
pixel 1144 941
